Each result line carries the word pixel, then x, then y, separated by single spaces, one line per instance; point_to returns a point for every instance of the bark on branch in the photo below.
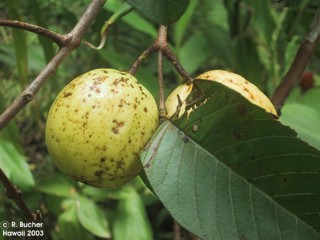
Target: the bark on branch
pixel 15 194
pixel 292 77
pixel 59 39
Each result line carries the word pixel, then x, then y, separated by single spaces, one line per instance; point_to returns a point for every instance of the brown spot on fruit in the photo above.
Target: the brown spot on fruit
pixel 68 94
pixel 98 173
pixel 115 130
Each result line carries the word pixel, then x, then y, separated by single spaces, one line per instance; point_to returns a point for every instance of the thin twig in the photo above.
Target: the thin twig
pixel 74 40
pixel 161 44
pixel 176 231
pixel 169 54
pixel 15 194
pixel 292 77
pixel 163 39
pixel 145 54
pixel 60 40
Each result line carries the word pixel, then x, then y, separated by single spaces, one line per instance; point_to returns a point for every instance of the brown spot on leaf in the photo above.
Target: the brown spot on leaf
pixel 238 134
pixel 185 139
pixel 195 128
pixel 242 110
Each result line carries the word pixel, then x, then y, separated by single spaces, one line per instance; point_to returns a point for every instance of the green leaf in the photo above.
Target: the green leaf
pixel 133 19
pixel 249 67
pixel 288 3
pixel 14 164
pixel 69 226
pixel 20 43
pixel 53 204
pixel 243 150
pixel 211 200
pixel 310 98
pixel 91 217
pixel 47 45
pixel 182 25
pixel 304 120
pixel 193 53
pixel 161 11
pixel 57 185
pixel 220 44
pixel 263 20
pixel 131 220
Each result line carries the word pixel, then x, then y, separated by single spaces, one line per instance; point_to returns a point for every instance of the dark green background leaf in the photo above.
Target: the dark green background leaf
pixel 161 11
pixel 20 43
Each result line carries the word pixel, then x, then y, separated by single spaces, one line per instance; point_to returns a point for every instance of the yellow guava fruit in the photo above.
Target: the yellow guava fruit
pixel 98 125
pixel 176 100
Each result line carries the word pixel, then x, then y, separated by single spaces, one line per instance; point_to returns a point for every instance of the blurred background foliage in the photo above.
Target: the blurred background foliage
pixel 257 39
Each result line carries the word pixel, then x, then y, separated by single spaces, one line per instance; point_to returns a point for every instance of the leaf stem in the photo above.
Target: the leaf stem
pixel 151 49
pixel 169 54
pixel 162 40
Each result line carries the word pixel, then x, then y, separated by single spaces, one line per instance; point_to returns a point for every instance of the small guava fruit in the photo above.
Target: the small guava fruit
pixel 98 125
pixel 176 100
